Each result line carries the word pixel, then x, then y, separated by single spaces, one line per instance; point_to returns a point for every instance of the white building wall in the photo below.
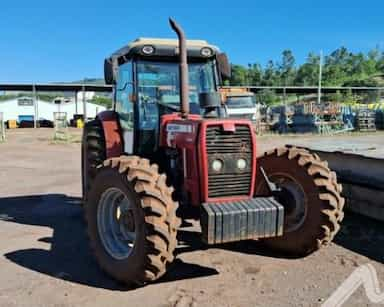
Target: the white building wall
pixel 88 95
pixel 92 109
pixel 12 110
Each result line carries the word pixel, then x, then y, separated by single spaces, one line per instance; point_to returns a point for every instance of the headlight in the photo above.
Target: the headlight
pixel 206 52
pixel 241 164
pixel 254 117
pixel 217 165
pixel 148 49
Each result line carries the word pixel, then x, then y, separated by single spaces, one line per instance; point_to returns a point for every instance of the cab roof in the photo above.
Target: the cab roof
pixel 162 47
pixel 235 91
pixel 239 94
pixel 141 41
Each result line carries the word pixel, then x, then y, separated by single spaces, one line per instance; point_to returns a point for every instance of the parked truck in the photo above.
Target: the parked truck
pixel 240 103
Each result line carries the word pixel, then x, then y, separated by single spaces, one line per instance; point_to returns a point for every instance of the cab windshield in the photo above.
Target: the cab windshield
pixel 241 102
pixel 158 82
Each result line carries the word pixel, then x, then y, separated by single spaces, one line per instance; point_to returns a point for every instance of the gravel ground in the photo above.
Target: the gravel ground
pixel 45 259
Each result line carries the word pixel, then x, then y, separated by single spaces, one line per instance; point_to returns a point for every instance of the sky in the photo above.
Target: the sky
pixel 60 41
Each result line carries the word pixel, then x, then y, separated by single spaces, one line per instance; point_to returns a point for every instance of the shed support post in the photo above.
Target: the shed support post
pixel 76 106
pixel 36 106
pixel 84 104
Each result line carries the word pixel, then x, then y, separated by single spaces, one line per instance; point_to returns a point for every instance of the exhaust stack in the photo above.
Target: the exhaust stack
pixel 183 69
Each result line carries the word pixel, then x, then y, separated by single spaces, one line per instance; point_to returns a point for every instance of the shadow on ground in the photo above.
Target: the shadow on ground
pixel 359 234
pixel 69 257
pixel 362 235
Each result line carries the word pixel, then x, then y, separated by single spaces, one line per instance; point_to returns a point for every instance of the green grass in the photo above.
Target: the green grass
pixel 65 138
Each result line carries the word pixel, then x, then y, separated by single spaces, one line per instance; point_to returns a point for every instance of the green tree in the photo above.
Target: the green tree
pixel 267 97
pixel 337 67
pixel 239 75
pixel 341 68
pixel 308 73
pixel 287 71
pixel 270 76
pixel 255 74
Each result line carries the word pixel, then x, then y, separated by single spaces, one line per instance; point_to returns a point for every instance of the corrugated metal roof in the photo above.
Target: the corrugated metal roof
pixel 51 87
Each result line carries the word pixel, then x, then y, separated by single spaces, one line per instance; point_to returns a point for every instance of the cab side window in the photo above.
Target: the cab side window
pixel 124 94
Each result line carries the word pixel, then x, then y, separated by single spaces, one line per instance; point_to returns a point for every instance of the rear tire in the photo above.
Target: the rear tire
pixel 153 214
pixel 310 195
pixel 93 153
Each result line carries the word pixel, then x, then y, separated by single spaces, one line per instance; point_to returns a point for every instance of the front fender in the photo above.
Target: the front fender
pixel 112 133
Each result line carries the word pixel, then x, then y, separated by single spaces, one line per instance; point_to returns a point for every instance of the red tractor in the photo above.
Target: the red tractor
pixel 167 152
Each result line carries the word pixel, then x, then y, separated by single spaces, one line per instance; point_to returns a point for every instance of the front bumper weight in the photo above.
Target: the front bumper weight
pixel 255 218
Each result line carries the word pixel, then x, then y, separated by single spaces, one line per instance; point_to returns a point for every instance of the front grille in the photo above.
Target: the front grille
pixel 242 116
pixel 229 147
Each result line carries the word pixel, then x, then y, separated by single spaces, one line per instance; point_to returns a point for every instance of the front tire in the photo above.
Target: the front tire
pixel 131 220
pixel 310 195
pixel 93 153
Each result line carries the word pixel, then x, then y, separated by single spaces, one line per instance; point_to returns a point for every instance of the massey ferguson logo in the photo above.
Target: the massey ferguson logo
pixel 179 128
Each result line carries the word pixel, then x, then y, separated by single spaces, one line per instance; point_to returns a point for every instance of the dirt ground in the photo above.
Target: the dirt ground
pixel 45 259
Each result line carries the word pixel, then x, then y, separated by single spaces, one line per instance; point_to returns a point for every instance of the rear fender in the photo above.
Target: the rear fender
pixel 112 133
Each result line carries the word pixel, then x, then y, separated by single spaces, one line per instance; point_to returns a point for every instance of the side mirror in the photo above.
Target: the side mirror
pixel 209 100
pixel 224 66
pixel 210 103
pixel 110 71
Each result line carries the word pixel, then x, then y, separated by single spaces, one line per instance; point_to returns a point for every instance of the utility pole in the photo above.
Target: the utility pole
pixel 320 77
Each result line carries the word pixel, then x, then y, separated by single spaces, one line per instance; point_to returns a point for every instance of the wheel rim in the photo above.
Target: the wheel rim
pixel 116 223
pixel 293 199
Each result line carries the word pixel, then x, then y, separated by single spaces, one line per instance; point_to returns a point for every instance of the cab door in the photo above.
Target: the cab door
pixel 125 105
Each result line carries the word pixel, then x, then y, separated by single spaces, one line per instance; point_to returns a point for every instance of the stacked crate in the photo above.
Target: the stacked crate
pixel 366 121
pixel 380 119
pixel 304 123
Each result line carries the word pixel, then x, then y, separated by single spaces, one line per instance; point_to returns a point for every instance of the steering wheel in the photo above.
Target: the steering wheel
pixel 169 106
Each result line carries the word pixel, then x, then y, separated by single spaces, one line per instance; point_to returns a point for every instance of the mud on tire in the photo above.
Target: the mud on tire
pixel 322 200
pixel 154 213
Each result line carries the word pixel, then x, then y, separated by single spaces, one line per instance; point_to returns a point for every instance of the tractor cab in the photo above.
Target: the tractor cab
pixel 146 76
